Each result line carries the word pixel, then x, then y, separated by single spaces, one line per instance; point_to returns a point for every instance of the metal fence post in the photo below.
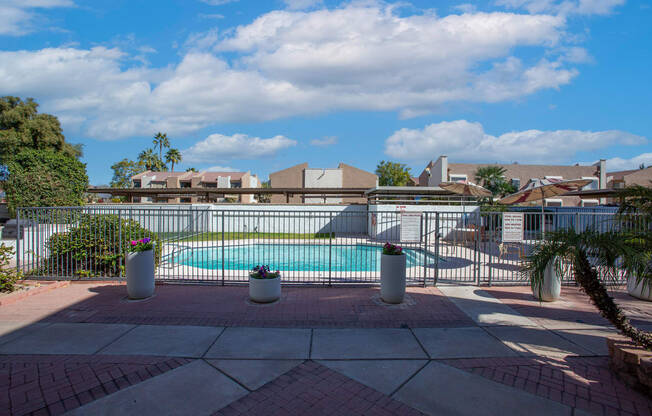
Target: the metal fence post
pixel 436 248
pixel 122 259
pixel 476 254
pixel 18 231
pixel 222 247
pixel 330 246
pixel 425 248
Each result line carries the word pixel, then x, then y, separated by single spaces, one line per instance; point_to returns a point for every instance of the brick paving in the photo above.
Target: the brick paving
pixel 312 389
pixel 586 383
pixel 52 385
pixel 312 307
pixel 574 305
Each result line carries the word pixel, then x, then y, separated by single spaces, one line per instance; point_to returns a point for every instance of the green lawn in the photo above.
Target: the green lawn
pixel 217 236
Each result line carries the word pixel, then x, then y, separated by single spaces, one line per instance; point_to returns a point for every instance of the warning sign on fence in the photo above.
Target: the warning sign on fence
pixel 411 228
pixel 512 226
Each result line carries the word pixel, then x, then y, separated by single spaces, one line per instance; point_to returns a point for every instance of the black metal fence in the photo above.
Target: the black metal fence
pixel 325 247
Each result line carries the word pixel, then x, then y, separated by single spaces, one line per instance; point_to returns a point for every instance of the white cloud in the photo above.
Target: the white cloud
pixel 465 141
pixel 289 63
pixel 302 4
pixel 617 163
pixel 218 147
pixel 324 141
pixel 18 18
pixel 220 169
pixel 564 7
pixel 217 2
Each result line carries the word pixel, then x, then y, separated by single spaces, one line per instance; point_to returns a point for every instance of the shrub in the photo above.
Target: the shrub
pixel 42 178
pixel 8 275
pixel 392 249
pixel 95 247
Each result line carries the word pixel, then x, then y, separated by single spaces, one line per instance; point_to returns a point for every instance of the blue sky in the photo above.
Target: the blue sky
pixel 263 85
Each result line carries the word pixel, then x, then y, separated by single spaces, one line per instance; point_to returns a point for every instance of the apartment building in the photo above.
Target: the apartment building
pixel 303 176
pixel 150 179
pixel 624 178
pixel 442 170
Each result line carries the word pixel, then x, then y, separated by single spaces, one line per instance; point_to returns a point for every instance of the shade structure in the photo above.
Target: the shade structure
pixel 465 188
pixel 540 189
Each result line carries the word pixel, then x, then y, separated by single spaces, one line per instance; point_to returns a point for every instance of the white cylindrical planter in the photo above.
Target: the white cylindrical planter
pixel 140 274
pixel 551 289
pixel 638 291
pixel 392 278
pixel 264 290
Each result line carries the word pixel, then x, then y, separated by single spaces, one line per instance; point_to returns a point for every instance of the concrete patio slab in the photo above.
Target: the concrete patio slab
pixel 439 389
pixel 537 341
pixel 483 308
pixel 254 374
pixel 262 343
pixel 554 324
pixel 470 342
pixel 389 343
pixel 66 338
pixel 193 389
pixel 594 340
pixel 383 375
pixel 12 330
pixel 165 340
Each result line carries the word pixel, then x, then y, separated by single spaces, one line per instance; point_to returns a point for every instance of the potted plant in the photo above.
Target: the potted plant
pixel 264 285
pixel 548 289
pixel 392 274
pixel 140 269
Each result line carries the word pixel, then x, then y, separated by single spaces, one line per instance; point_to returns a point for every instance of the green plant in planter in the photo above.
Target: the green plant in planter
pixel 95 247
pixel 627 249
pixel 8 275
pixel 263 272
pixel 392 249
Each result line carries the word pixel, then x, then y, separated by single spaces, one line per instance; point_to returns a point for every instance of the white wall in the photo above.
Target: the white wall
pixel 322 178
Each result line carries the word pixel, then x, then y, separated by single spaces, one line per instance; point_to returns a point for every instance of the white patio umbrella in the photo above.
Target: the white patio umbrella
pixel 465 188
pixel 540 189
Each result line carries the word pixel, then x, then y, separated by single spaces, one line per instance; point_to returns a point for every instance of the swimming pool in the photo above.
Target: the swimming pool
pixel 295 257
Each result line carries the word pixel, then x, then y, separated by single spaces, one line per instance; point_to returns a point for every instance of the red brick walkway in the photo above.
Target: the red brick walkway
pixel 574 306
pixel 312 307
pixel 582 382
pixel 52 385
pixel 312 389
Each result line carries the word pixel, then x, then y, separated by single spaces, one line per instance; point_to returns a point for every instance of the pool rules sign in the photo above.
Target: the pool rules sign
pixel 512 227
pixel 410 228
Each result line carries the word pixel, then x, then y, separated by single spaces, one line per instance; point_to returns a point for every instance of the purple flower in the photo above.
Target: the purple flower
pixel 146 240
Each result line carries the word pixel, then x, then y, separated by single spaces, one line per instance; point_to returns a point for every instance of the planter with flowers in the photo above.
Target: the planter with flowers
pixel 392 274
pixel 264 285
pixel 140 269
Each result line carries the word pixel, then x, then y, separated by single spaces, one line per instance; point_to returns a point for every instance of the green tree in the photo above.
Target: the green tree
pixel 173 156
pixel 161 140
pixel 41 178
pixel 21 127
pixel 627 248
pixel 123 171
pixel 392 174
pixel 191 170
pixel 151 161
pixel 493 178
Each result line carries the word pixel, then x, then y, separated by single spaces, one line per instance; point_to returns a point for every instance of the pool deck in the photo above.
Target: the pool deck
pixel 85 349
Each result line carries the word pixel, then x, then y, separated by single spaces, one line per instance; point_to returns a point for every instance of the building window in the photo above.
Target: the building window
pixel 185 184
pixel 553 202
pixel 456 177
pixel 516 183
pixel 236 184
pixel 210 184
pixel 137 183
pixel 590 202
pixel 185 199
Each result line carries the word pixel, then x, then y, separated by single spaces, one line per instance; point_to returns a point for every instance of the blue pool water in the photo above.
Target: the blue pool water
pixel 296 257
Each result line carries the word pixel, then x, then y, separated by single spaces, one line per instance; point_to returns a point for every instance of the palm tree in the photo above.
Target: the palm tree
pixel 626 249
pixel 148 158
pixel 161 140
pixel 173 156
pixel 493 178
